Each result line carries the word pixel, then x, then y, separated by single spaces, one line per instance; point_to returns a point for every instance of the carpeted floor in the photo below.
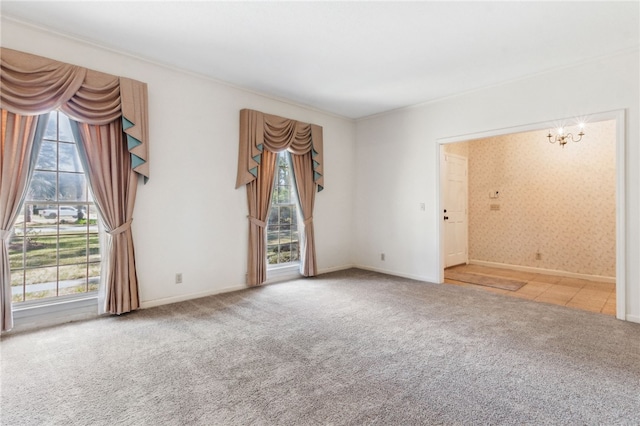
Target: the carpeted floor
pixel 346 348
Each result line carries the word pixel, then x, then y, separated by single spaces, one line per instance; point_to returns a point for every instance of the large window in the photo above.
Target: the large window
pixel 55 250
pixel 282 227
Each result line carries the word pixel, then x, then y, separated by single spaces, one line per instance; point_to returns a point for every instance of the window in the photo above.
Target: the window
pixel 54 250
pixel 282 226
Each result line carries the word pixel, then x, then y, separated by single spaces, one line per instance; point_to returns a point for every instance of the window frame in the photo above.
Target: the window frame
pixel 89 296
pixel 285 268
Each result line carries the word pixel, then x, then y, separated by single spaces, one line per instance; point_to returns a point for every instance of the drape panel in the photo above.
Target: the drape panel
pixel 113 185
pixel 259 199
pixel 20 140
pixel 303 175
pixel 33 85
pixel 261 135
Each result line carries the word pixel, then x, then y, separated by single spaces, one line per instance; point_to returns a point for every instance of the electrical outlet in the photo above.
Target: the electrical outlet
pixel 179 278
pixel 381 256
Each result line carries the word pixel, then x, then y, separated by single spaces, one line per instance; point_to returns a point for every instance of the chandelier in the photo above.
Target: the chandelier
pixel 562 138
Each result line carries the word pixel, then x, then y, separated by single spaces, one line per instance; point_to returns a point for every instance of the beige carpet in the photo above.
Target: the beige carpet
pixel 346 348
pixel 497 282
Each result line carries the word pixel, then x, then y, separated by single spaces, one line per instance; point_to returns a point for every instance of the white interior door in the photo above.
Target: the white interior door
pixel 455 210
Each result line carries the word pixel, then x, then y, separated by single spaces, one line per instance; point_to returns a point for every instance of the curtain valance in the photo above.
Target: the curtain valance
pixel 260 131
pixel 33 85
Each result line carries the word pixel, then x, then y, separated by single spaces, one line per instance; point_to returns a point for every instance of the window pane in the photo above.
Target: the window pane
pixel 48 217
pixel 51 132
pixel 94 276
pixel 15 252
pixel 272 255
pixel 293 252
pixel 65 129
pixel 284 195
pixel 94 248
pixel 41 250
pixel 273 214
pixel 41 283
pixel 69 159
pixel 73 279
pixel 72 188
pixel 41 278
pixel 42 186
pixel 92 216
pixel 69 222
pixel 285 233
pixel 285 215
pixel 19 223
pixel 47 156
pixel 16 285
pixel 73 249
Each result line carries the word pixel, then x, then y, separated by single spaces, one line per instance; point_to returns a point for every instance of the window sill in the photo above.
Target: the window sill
pixel 283 272
pixel 40 313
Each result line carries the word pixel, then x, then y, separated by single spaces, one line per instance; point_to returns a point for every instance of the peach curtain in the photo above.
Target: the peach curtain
pixel 113 185
pixel 259 199
pixel 19 143
pixel 303 173
pixel 261 135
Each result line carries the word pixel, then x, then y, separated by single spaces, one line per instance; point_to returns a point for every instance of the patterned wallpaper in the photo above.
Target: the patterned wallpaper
pixel 557 201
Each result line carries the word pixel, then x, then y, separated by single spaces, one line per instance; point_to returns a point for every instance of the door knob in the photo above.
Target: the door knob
pixel 446 217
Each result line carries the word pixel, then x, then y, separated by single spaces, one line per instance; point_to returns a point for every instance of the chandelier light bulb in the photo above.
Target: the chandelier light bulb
pixel 561 138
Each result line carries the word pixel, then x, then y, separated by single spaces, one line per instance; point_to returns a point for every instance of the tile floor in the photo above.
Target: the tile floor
pixel 571 292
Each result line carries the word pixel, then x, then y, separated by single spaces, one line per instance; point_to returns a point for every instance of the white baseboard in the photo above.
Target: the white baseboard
pixel 397 274
pixel 183 297
pixel 600 278
pixel 335 269
pixel 272 280
pixel 633 318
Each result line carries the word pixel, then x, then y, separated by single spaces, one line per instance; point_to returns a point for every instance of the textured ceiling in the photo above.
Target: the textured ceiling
pixel 353 59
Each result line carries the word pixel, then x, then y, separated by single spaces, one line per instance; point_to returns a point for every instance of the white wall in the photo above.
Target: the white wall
pixel 398 160
pixel 558 202
pixel 189 218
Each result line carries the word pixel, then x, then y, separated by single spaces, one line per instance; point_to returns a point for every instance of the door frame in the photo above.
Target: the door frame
pixel 621 253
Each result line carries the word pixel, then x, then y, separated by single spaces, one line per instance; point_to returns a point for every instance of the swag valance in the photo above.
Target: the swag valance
pixel 260 131
pixel 33 85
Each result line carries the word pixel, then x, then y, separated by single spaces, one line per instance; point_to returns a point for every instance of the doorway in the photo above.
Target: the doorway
pixel 501 233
